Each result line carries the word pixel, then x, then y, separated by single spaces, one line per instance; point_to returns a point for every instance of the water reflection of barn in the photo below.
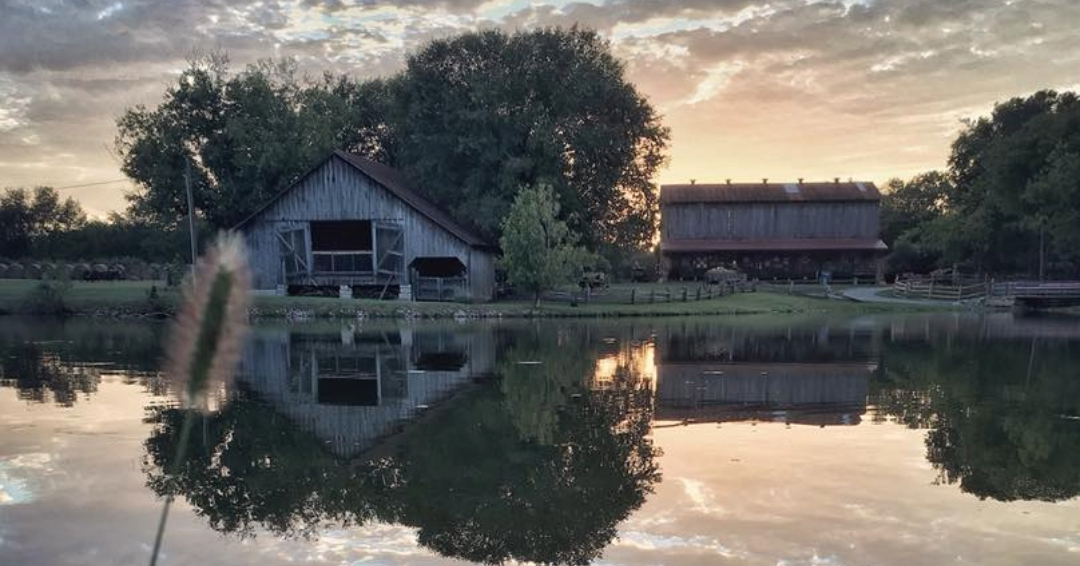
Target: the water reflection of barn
pixel 352 387
pixel 814 376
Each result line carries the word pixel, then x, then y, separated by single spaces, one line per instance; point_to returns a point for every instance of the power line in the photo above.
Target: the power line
pixel 94 184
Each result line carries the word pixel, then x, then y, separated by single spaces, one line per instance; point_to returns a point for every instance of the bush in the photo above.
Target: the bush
pixel 48 297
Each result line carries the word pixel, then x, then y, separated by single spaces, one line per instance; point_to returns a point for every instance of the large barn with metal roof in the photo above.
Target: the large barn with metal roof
pixel 351 222
pixel 771 230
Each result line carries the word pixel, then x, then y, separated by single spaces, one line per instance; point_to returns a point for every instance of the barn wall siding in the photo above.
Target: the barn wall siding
pixel 744 221
pixel 337 191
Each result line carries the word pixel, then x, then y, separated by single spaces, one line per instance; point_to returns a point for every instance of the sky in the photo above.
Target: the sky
pixel 751 89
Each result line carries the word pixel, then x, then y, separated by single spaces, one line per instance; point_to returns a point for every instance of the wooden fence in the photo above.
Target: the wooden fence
pixel 1035 289
pixel 439 288
pixel 649 295
pixel 939 290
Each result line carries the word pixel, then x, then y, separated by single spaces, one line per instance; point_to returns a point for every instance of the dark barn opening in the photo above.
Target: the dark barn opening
pixel 438 267
pixel 441 361
pixel 341 235
pixel 349 392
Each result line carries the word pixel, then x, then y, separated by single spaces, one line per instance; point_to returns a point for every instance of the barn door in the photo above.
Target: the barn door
pixel 389 251
pixel 293 247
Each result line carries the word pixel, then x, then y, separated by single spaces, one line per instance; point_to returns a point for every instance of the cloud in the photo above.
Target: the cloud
pixel 750 88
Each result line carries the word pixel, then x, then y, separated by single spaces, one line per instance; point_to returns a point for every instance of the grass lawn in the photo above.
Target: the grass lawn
pixel 131 297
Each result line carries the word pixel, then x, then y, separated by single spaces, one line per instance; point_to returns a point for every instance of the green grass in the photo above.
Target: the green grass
pixel 126 298
pixel 87 297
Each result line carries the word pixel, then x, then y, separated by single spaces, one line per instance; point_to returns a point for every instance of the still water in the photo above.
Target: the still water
pixel 900 440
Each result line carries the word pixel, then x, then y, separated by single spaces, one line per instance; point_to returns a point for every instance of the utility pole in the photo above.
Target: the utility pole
pixel 1042 248
pixel 191 217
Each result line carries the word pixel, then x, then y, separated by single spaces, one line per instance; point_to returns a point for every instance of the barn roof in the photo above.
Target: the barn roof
pixel 395 182
pixel 769 192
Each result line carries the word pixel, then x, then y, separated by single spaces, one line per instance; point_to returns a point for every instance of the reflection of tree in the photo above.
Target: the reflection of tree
pixel 476 480
pixel 56 361
pixel 247 465
pixel 39 375
pixel 998 414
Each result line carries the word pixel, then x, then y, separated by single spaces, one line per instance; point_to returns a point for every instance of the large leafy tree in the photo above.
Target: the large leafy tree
pixel 1016 198
pixel 482 114
pixel 245 136
pixel 26 217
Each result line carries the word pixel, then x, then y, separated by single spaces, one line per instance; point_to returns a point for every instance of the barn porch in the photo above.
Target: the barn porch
pixel 807 259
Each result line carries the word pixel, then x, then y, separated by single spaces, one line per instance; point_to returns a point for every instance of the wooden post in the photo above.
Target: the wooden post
pixel 698 297
pixel 633 293
pixel 684 294
pixel 652 296
pixel 930 289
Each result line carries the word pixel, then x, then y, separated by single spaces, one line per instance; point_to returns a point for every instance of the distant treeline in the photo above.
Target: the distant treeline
pixel 1009 202
pixel 38 225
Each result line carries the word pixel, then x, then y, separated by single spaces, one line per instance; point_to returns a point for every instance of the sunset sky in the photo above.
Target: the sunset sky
pixel 869 89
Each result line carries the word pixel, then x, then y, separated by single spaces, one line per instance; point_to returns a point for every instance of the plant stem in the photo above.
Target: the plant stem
pixel 181 453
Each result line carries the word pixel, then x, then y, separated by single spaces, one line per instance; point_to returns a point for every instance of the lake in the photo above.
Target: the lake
pixel 884 440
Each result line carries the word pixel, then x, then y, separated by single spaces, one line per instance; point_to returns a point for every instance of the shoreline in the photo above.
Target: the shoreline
pixel 144 299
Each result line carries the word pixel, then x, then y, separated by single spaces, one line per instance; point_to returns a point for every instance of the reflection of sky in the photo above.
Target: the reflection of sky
pixel 16 474
pixel 72 492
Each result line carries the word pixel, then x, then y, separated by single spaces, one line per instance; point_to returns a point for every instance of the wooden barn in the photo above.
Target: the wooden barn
pixel 771 230
pixel 353 222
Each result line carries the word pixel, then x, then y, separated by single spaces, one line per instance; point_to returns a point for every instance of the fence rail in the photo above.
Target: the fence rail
pixel 674 293
pixel 1036 289
pixel 439 288
pixel 930 289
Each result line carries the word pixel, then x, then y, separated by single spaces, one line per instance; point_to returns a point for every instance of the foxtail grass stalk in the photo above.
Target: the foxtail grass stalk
pixel 204 343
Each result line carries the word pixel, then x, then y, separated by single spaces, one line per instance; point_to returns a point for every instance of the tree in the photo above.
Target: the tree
pixel 482 114
pixel 1014 194
pixel 909 204
pixel 246 136
pixel 26 217
pixel 539 251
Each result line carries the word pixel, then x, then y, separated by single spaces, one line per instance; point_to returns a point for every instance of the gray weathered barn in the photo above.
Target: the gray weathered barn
pixel 771 230
pixel 353 222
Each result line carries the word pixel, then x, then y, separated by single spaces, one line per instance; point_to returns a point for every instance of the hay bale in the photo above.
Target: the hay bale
pixel 15 271
pixel 78 270
pixel 33 271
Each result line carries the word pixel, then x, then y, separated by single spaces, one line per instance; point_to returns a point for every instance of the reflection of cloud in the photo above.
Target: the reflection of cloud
pixel 643 541
pixel 702 496
pixel 374 543
pixel 19 473
pixel 814 560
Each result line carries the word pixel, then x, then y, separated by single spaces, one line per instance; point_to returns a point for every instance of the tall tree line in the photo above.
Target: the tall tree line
pixel 1009 201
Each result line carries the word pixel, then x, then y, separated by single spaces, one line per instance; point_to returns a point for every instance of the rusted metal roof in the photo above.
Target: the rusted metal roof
pixel 777 245
pixel 769 192
pixel 395 182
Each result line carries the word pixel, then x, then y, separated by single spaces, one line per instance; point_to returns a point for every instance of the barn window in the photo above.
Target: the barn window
pixel 341 246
